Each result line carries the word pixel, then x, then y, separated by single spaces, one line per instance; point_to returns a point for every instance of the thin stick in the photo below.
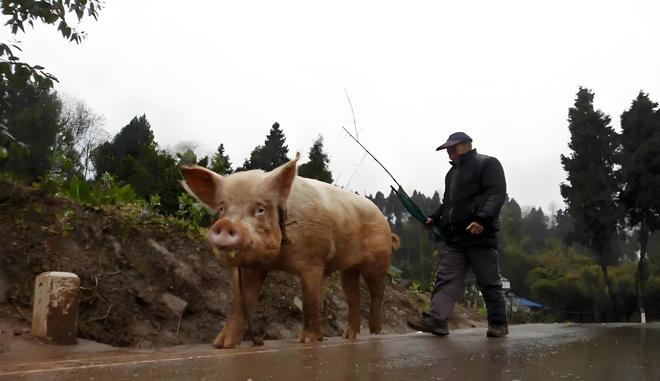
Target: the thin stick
pixel 372 156
pixel 357 167
pixel 352 112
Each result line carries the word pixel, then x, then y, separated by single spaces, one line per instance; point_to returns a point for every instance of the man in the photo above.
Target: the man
pixel 475 190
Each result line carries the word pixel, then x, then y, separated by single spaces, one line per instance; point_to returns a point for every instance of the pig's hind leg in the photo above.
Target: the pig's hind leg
pixel 243 299
pixel 376 284
pixel 350 283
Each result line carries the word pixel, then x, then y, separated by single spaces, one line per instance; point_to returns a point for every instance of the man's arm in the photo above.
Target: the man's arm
pixel 493 184
pixel 435 218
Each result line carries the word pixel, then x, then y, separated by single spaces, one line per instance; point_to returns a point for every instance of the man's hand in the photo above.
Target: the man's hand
pixel 428 223
pixel 475 228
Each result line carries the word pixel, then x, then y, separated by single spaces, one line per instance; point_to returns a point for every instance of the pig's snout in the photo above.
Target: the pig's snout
pixel 225 235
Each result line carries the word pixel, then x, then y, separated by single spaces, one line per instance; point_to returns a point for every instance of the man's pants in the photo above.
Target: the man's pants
pixel 450 276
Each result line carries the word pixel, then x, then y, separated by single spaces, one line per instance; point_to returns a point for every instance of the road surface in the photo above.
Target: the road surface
pixel 531 352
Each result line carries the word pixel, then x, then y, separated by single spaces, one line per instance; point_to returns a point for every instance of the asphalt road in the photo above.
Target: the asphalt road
pixel 531 352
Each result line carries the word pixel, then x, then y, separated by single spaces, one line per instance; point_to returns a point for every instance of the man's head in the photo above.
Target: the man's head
pixel 457 144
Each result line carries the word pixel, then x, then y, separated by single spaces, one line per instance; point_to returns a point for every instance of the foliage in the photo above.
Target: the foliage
pixel 79 134
pixel 192 211
pixel 31 119
pixel 271 154
pixel 104 192
pixel 317 166
pixel 511 220
pixel 220 162
pixel 133 157
pixel 21 12
pixel 590 193
pixel 640 167
pixel 592 183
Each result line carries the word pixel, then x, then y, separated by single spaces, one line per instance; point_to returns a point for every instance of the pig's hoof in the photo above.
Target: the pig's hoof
pixel 350 334
pixel 310 337
pixel 225 340
pixel 375 330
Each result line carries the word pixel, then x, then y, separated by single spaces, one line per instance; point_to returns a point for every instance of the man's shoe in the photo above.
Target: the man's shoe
pixel 498 330
pixel 427 324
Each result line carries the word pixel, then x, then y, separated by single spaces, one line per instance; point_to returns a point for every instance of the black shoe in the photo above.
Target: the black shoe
pixel 425 323
pixel 497 330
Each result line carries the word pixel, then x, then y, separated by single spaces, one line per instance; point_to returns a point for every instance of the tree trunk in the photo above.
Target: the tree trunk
pixel 641 268
pixel 609 312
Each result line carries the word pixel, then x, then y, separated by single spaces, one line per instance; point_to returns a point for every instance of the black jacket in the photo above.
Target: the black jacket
pixel 475 189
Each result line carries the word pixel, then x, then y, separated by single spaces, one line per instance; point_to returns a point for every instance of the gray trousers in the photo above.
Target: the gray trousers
pixel 450 276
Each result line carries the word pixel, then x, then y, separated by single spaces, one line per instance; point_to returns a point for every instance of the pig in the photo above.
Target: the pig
pixel 279 221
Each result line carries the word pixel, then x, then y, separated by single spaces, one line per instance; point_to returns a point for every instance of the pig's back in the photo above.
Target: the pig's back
pixel 311 199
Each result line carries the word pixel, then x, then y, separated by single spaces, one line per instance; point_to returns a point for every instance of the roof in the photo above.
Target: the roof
pixel 528 303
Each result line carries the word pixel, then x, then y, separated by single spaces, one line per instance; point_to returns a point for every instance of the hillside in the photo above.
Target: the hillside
pixel 130 263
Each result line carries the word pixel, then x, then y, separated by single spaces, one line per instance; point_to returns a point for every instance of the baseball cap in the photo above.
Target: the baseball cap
pixel 455 138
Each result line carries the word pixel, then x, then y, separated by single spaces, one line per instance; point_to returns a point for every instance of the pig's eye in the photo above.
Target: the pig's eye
pixel 221 209
pixel 260 210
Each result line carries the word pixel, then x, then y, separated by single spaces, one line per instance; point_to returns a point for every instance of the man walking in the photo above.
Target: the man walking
pixel 475 190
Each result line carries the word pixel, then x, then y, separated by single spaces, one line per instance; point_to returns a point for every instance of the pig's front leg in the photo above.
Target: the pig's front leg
pixel 312 287
pixel 251 282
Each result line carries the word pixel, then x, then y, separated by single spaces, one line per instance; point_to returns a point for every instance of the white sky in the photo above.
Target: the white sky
pixel 505 72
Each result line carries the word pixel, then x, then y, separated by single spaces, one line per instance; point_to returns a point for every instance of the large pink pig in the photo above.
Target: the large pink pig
pixel 278 221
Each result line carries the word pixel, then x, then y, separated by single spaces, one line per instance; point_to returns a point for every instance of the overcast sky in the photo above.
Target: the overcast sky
pixel 505 72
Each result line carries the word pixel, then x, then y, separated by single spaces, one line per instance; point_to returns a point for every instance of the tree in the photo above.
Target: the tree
pixel 32 120
pixel 317 166
pixel 640 168
pixel 21 75
pixel 511 220
pixel 133 158
pixel 220 162
pixel 592 186
pixel 80 133
pixel 534 227
pixel 21 12
pixel 271 154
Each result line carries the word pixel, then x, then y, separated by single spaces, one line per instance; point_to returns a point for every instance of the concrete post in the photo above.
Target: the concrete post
pixel 55 307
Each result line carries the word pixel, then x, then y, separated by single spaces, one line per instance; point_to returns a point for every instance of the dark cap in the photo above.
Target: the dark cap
pixel 455 138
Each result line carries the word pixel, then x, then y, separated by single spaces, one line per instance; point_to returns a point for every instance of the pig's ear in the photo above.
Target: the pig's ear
pixel 201 183
pixel 281 178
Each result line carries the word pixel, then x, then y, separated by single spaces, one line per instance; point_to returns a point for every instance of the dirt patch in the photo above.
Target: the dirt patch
pixel 134 274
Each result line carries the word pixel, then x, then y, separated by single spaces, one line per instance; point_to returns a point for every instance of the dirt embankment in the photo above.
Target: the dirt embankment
pixel 130 270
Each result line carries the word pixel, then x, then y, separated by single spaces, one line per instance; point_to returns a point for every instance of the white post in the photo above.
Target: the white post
pixel 55 307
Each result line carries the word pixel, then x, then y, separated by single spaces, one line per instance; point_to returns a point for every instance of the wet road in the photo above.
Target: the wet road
pixel 531 352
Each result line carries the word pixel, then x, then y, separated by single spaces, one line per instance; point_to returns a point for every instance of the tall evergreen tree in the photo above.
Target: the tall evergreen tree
pixel 220 162
pixel 133 158
pixel 271 154
pixel 535 225
pixel 640 168
pixel 317 166
pixel 511 220
pixel 31 113
pixel 592 186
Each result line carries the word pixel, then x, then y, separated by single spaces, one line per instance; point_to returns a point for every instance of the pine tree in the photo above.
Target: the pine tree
pixel 317 166
pixel 511 220
pixel 32 118
pixel 133 158
pixel 271 154
pixel 592 186
pixel 220 163
pixel 640 167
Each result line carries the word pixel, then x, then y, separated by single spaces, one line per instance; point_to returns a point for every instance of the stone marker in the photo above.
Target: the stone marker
pixel 55 307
